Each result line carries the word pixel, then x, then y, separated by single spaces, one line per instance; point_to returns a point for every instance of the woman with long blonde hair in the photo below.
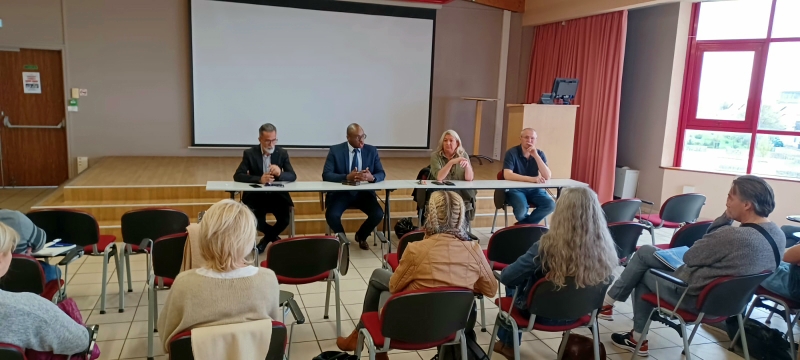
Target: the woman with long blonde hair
pixel 451 162
pixel 578 246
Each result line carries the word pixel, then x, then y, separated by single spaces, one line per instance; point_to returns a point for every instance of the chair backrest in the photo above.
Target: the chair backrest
pixel 500 175
pixel 71 226
pixel 508 244
pixel 152 224
pixel 11 352
pixel 729 295
pixel 167 255
pixel 683 208
pixel 566 303
pixel 443 311
pixel 408 238
pixel 626 235
pixel 689 234
pixel 302 260
pixel 180 346
pixel 621 210
pixel 25 274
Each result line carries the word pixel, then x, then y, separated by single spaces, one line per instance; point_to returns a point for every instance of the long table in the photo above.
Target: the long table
pixel 388 186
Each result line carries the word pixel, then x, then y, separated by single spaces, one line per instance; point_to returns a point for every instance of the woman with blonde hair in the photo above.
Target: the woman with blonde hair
pixel 31 321
pixel 451 162
pixel 578 245
pixel 445 257
pixel 227 289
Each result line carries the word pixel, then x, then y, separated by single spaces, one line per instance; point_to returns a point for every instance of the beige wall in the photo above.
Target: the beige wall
pixel 133 57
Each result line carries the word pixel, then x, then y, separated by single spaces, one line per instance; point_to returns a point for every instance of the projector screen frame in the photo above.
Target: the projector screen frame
pixel 335 6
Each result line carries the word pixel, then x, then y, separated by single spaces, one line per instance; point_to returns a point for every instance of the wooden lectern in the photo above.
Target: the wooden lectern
pixel 555 127
pixel 476 144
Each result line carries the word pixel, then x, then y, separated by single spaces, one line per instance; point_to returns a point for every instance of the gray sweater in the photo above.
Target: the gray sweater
pixel 726 250
pixel 31 322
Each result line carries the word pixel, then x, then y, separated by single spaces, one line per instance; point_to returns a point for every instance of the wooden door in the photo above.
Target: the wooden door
pixel 35 154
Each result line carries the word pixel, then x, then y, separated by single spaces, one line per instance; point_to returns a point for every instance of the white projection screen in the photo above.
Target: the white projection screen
pixel 311 67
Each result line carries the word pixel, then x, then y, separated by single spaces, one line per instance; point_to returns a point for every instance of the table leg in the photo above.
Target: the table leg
pixel 388 221
pixel 558 193
pixel 233 194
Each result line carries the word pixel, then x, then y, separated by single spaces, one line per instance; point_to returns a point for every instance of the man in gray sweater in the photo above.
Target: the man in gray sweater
pixel 725 250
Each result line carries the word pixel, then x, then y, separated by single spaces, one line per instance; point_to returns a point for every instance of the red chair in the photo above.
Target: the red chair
pixel 622 210
pixel 80 228
pixel 166 256
pixel 25 274
pixel 180 346
pixel 724 297
pixel 675 212
pixel 392 260
pixel 500 203
pixel 443 311
pixel 547 300
pixel 687 235
pixel 789 307
pixel 11 352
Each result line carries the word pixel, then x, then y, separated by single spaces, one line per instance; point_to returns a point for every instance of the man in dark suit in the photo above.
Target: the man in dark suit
pixel 353 161
pixel 264 164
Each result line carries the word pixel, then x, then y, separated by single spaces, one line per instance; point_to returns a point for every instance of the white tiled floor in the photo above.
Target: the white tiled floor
pixel 124 335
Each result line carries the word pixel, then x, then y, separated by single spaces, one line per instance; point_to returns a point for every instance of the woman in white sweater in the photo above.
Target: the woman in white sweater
pixel 30 321
pixel 227 289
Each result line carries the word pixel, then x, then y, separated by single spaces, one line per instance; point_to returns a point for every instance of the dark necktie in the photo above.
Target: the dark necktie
pixel 355 163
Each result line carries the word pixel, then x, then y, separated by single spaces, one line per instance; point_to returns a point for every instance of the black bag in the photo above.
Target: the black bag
pixel 404 226
pixel 763 342
pixel 453 352
pixel 335 355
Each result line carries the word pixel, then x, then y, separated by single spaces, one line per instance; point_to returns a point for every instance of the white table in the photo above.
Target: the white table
pixel 557 184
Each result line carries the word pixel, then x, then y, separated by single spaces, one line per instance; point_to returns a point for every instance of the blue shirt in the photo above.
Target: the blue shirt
pixel 516 161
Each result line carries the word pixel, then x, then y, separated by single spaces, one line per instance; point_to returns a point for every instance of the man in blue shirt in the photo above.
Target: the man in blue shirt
pixel 526 163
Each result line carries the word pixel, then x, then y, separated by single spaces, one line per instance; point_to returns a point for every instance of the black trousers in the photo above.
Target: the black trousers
pixel 265 203
pixel 366 201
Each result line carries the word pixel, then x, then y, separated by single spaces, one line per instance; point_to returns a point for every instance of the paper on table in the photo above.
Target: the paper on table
pixel 49 250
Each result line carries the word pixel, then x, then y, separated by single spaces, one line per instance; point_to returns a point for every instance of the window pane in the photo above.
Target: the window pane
pixel 715 151
pixel 724 85
pixel 777 156
pixel 780 101
pixel 743 19
pixel 785 23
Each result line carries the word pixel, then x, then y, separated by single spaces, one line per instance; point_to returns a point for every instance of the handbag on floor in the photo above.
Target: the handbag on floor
pixel 763 342
pixel 453 352
pixel 335 355
pixel 580 347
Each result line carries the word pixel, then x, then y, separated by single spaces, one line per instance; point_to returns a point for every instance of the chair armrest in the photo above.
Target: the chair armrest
pixel 381 237
pixel 145 244
pixel 296 312
pixel 669 278
pixel 343 239
pixel 71 256
pixel 93 330
pixel 647 202
pixel 496 275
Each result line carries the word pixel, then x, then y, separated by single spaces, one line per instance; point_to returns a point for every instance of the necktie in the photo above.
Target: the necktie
pixel 355 163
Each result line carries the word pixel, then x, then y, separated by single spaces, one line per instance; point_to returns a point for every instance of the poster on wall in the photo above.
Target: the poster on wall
pixel 31 83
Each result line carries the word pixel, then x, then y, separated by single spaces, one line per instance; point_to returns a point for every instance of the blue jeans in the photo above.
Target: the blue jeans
pixel 505 336
pixel 51 272
pixel 521 199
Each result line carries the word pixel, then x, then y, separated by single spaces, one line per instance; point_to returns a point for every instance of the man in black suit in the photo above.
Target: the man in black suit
pixel 261 165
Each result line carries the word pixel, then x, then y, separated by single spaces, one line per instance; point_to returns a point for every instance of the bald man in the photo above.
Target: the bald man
pixel 525 162
pixel 353 160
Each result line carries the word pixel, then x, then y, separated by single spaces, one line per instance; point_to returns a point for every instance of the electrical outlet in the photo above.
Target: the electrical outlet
pixel 83 164
pixel 688 189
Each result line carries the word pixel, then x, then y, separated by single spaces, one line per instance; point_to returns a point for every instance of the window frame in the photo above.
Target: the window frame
pixel 691 84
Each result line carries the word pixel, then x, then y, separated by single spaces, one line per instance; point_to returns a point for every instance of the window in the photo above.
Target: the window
pixel 741 100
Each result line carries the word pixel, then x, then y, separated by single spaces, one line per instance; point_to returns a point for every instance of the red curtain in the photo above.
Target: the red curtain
pixel 592 50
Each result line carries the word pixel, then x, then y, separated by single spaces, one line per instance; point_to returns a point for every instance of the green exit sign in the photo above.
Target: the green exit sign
pixel 30 67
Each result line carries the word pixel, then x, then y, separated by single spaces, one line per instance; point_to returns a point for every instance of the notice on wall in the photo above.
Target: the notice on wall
pixel 31 83
pixel 72 105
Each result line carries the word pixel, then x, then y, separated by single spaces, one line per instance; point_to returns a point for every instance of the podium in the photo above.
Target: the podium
pixel 555 127
pixel 476 144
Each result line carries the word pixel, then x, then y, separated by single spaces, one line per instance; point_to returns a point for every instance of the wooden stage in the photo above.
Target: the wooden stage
pixel 116 185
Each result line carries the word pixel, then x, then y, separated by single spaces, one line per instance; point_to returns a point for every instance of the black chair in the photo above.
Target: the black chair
pixel 443 312
pixel 675 212
pixel 11 352
pixel 305 260
pixel 724 297
pixel 687 235
pixel 392 260
pixel 626 235
pixel 622 210
pixel 180 346
pixel 140 228
pixel 80 228
pixel 25 274
pixel 547 300
pixel 506 246
pixel 166 256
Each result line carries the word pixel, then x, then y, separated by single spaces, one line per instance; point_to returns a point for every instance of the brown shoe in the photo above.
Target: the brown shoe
pixel 363 245
pixel 502 349
pixel 349 343
pixel 382 356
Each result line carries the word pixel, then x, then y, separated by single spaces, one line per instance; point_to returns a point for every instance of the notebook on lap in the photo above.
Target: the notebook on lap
pixel 673 258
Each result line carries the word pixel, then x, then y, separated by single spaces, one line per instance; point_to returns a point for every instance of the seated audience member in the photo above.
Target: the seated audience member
pixel 446 257
pixel 725 250
pixel 779 282
pixel 790 231
pixel 527 163
pixel 264 164
pixel 31 239
pixel 578 245
pixel 451 162
pixel 353 160
pixel 227 289
pixel 32 322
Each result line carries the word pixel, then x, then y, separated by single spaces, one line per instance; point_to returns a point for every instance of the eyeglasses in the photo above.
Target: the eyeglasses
pixel 362 137
pixel 273 141
pixel 528 138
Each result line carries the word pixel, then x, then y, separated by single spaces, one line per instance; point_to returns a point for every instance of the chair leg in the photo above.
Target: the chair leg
pixel 128 267
pixel 289 345
pixel 652 235
pixel 505 214
pixel 463 341
pixel 595 337
pixel 150 316
pixel 643 338
pixel 483 315
pixel 291 221
pixel 338 301
pixel 563 346
pixel 494 336
pixel 155 309
pixel 515 331
pixel 744 337
pixel 359 345
pixel 747 316
pixel 104 285
pixel 494 221
pixel 120 259
pixel 686 351
pixel 327 300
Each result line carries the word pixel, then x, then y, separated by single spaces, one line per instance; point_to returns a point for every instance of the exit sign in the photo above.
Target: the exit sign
pixel 30 67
